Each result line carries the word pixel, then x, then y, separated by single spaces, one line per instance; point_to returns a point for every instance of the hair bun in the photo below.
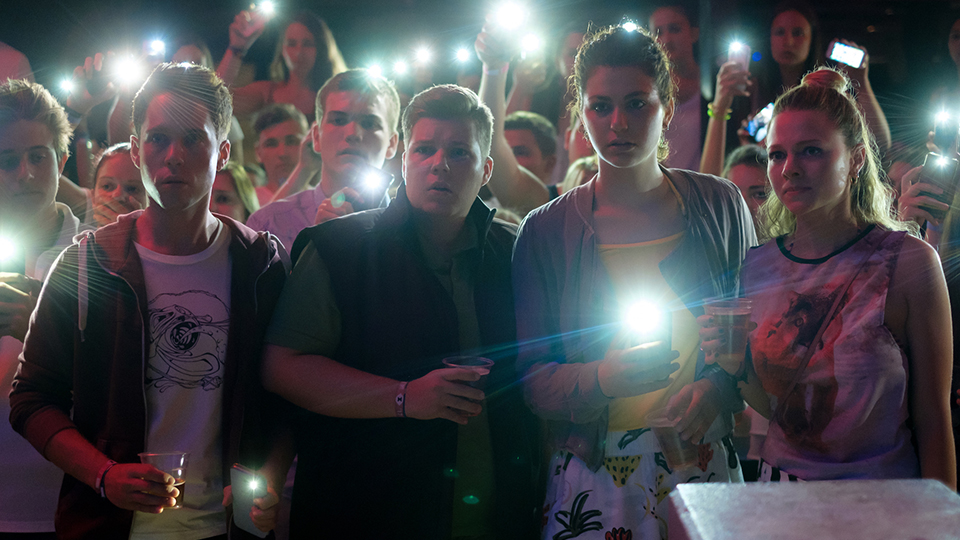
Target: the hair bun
pixel 827 78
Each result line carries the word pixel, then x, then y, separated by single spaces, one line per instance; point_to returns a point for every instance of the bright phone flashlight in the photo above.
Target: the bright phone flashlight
pixel 510 16
pixel 399 67
pixel 630 26
pixel 67 85
pixel 8 250
pixel 531 43
pixel 942 117
pixel 942 162
pixel 372 182
pixel 129 71
pixel 423 55
pixel 157 47
pixel 268 8
pixel 254 485
pixel 736 46
pixel 375 70
pixel 463 55
pixel 643 317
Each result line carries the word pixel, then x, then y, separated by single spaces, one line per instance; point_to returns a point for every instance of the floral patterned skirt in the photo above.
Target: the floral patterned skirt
pixel 626 498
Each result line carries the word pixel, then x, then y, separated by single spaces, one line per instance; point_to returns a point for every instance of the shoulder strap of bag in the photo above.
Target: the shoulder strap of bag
pixel 778 414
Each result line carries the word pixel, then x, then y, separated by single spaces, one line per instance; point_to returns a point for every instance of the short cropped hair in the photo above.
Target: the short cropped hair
pixel 541 128
pixel 450 102
pixel 750 155
pixel 21 99
pixel 366 83
pixel 190 82
pixel 278 113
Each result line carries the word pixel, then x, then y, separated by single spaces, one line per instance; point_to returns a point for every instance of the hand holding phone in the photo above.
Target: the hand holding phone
pixel 246 486
pixel 757 126
pixel 740 54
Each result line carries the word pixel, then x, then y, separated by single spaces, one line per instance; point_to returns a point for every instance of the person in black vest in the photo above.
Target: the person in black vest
pixel 391 443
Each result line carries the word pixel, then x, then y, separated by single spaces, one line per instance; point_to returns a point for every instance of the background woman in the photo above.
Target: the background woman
pixel 881 364
pixel 233 193
pixel 635 232
pixel 118 189
pixel 306 56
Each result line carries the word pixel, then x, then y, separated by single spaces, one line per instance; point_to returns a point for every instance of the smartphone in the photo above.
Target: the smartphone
pixel 757 126
pixel 942 172
pixel 945 131
pixel 847 54
pixel 247 486
pixel 739 53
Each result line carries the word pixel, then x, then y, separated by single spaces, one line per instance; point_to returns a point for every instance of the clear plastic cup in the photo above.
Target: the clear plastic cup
pixel 172 463
pixel 476 363
pixel 680 454
pixel 733 315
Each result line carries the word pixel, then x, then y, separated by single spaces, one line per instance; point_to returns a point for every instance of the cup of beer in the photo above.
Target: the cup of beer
pixel 475 363
pixel 172 463
pixel 733 316
pixel 679 453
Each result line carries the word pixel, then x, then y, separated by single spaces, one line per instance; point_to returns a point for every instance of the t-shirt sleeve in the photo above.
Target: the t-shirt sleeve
pixel 307 318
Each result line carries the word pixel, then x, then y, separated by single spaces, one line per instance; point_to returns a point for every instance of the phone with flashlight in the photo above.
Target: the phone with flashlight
pixel 946 129
pixel 372 188
pixel 757 126
pixel 739 53
pixel 942 172
pixel 846 54
pixel 246 486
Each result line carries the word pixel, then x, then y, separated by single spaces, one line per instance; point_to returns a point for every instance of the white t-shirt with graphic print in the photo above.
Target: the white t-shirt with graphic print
pixel 189 319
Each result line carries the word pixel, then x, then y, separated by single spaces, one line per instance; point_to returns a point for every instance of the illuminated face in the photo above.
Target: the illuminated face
pixel 673 31
pixel 278 149
pixel 623 115
pixel 443 167
pixel 29 171
pixel 810 165
pixel 354 134
pixel 790 36
pixel 119 180
pixel 528 154
pixel 299 49
pixel 752 182
pixel 178 153
pixel 225 199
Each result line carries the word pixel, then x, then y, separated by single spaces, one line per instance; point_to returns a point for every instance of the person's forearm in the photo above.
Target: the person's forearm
pixel 876 120
pixel 514 187
pixel 714 145
pixel 325 386
pixel 229 67
pixel 936 449
pixel 298 180
pixel 74 454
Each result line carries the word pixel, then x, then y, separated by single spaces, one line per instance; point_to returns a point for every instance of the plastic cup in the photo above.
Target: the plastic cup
pixel 680 454
pixel 172 463
pixel 733 315
pixel 476 363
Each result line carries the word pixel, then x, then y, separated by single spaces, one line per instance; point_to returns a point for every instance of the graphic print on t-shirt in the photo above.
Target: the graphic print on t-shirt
pixel 783 343
pixel 188 340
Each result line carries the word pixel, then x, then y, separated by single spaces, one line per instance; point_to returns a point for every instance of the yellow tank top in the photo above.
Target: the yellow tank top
pixel 635 272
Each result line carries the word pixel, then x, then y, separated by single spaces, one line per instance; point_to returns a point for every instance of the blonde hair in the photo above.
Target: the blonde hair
pixel 579 173
pixel 871 199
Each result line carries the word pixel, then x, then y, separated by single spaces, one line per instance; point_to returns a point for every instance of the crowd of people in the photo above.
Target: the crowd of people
pixel 464 311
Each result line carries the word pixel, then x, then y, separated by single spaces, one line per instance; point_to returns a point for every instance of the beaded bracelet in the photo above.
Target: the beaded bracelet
pixel 712 114
pixel 400 403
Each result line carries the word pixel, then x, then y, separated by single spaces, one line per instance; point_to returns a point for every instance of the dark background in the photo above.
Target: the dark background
pixel 906 38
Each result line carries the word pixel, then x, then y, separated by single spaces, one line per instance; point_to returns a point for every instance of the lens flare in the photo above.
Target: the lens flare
pixel 268 8
pixel 531 43
pixel 630 26
pixel 67 85
pixel 463 55
pixel 736 46
pixel 372 181
pixel 254 485
pixel 942 117
pixel 400 67
pixel 942 162
pixel 129 71
pixel 8 250
pixel 375 70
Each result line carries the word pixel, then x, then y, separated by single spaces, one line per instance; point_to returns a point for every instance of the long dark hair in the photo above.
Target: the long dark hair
pixel 329 61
